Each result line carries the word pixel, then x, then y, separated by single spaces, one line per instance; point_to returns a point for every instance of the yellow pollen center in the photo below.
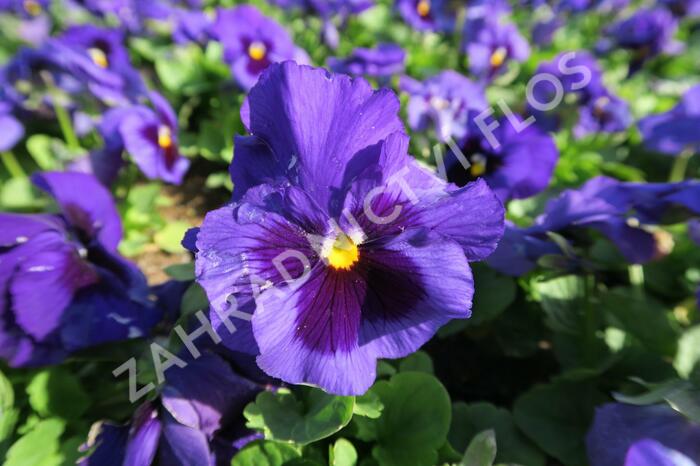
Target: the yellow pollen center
pixel 498 57
pixel 343 253
pixel 477 169
pixel 32 7
pixel 257 50
pixel 423 8
pixel 98 57
pixel 165 137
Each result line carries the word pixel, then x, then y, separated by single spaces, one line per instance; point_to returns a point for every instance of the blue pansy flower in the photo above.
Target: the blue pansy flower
pixel 252 42
pixel 676 130
pixel 380 246
pixel 96 295
pixel 383 61
pixel 196 420
pixel 628 435
pixel 428 15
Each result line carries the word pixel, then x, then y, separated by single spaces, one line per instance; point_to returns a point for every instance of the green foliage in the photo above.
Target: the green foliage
pixel 266 453
pixel 481 450
pixel 305 417
pixel 414 423
pixel 57 393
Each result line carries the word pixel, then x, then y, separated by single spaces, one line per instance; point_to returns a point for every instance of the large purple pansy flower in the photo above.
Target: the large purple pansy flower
pixel 682 8
pixel 674 131
pixel 445 101
pixel 428 15
pixel 98 56
pixel 519 166
pixel 376 248
pixel 381 62
pixel 252 42
pixel 150 137
pixel 95 295
pixel 188 424
pixel 491 42
pixel 622 433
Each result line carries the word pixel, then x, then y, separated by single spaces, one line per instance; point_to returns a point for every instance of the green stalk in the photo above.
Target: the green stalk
pixel 12 165
pixel 66 125
pixel 636 275
pixel 680 164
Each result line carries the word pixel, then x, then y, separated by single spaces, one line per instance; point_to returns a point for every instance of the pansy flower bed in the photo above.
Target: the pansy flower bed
pixel 349 233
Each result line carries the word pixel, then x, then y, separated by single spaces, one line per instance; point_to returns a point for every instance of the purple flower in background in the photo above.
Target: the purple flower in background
pixel 606 113
pixel 34 22
pixel 519 167
pixel 131 14
pixel 675 131
pixel 96 296
pixel 647 33
pixel 252 42
pixel 150 137
pixel 446 101
pixel 192 26
pixel 25 8
pixel 381 62
pixel 682 8
pixel 586 104
pixel 428 15
pixel 623 212
pixel 519 250
pixel 98 56
pixel 543 31
pixel 12 129
pixel 383 269
pixel 490 41
pixel 187 425
pixel 622 433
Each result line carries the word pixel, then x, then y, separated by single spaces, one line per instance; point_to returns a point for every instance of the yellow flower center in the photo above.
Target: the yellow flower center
pixel 478 165
pixel 165 137
pixel 423 8
pixel 98 57
pixel 343 253
pixel 257 50
pixel 32 7
pixel 498 57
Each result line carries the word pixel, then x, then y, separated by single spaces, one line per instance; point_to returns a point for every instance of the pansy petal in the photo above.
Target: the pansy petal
pixel 320 118
pixel 86 203
pixel 182 445
pixel 253 164
pixel 329 329
pixel 12 132
pixel 651 453
pixel 109 444
pixel 144 437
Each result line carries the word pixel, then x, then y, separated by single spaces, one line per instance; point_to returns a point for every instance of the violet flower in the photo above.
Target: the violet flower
pixel 382 62
pixel 150 138
pixel 445 101
pixel 490 42
pixel 674 131
pixel 96 295
pixel 383 268
pixel 185 425
pixel 12 130
pixel 252 42
pixel 428 15
pixel 623 435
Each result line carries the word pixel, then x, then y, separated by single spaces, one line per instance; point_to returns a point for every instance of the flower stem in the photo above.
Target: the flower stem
pixel 66 125
pixel 12 165
pixel 680 164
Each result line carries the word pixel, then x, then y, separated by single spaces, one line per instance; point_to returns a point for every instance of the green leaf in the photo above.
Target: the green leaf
pixel 494 293
pixel 688 353
pixel 482 450
pixel 562 299
pixel 417 362
pixel 57 392
pixel 557 417
pixel 414 423
pixel 169 238
pixel 39 447
pixel 39 147
pixel 312 416
pixel 194 299
pixel 368 405
pixel 265 453
pixel 643 317
pixel 16 193
pixel 343 453
pixel 8 413
pixel 470 419
pixel 181 272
